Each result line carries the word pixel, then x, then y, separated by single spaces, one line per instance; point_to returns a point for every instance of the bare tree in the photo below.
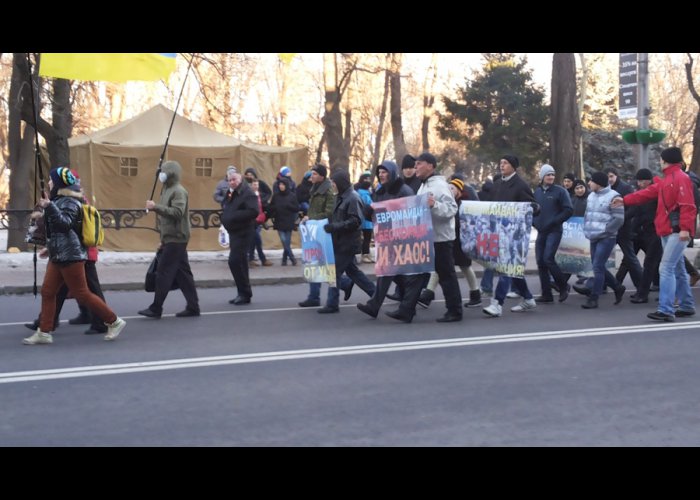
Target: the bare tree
pixel 382 116
pixel 396 125
pixel 428 101
pixel 335 80
pixel 565 133
pixel 695 159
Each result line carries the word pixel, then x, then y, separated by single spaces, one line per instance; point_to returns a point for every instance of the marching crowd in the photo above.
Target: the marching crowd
pixel 659 218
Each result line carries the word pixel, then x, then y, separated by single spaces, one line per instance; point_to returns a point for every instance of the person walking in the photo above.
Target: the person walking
pixel 238 218
pixel 555 208
pixel 511 187
pixel 62 215
pixel 174 225
pixel 675 224
pixel 601 223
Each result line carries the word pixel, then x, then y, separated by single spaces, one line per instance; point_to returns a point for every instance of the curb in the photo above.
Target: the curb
pixel 209 283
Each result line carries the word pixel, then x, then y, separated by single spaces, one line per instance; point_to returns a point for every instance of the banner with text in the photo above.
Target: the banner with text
pixel 403 236
pixel 574 254
pixel 317 252
pixel 496 234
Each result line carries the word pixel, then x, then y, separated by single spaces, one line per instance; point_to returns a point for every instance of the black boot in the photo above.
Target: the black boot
pixel 474 299
pixel 591 303
pixel 426 297
pixel 80 319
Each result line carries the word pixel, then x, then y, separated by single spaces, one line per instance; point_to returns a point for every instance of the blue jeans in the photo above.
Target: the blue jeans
pixel 504 286
pixel 600 251
pixel 257 245
pixel 315 288
pixel 673 279
pixel 546 247
pixel 286 239
pixel 486 284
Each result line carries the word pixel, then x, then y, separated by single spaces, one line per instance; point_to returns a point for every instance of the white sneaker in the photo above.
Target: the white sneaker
pixel 512 295
pixel 38 337
pixel 367 259
pixel 115 329
pixel 525 305
pixel 494 310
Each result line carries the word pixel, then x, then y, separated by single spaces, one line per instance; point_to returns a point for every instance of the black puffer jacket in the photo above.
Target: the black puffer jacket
pixel 62 218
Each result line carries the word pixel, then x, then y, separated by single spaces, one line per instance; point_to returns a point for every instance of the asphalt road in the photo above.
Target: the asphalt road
pixel 272 374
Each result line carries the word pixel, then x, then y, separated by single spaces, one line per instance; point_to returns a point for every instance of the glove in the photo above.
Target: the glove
pixel 328 228
pixel 535 208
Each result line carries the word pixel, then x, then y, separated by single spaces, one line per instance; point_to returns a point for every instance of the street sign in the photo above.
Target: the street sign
pixel 628 86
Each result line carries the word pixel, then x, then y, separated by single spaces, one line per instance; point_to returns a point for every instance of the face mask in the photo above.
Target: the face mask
pixel 162 177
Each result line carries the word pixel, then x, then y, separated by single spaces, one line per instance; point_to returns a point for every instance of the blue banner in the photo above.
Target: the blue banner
pixel 317 252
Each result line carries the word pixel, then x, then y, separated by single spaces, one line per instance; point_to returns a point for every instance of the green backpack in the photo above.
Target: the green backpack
pixel 92 233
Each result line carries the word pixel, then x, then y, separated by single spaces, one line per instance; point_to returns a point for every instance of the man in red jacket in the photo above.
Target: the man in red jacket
pixel 675 225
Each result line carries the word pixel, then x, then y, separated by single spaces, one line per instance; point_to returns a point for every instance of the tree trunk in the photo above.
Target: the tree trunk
pixel 428 101
pixel 382 117
pixel 581 107
pixel 565 133
pixel 695 159
pixel 396 125
pixel 337 153
pixel 62 116
pixel 21 157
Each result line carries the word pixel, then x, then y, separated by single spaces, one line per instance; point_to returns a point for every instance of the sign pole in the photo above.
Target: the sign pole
pixel 643 107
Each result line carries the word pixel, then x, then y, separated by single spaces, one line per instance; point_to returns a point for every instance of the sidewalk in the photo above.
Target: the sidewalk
pixel 127 270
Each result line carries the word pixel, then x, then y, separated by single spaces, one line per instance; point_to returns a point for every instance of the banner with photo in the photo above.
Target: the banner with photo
pixel 574 254
pixel 317 252
pixel 403 236
pixel 496 234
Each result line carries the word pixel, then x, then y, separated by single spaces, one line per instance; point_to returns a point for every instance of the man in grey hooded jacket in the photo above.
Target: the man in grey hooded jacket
pixel 173 263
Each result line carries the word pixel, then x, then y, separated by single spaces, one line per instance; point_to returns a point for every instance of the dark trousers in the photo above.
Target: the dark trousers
pixel 238 260
pixel 546 247
pixel 412 285
pixel 447 277
pixel 174 265
pixel 345 263
pixel 651 244
pixel 630 262
pixel 366 240
pixel 382 288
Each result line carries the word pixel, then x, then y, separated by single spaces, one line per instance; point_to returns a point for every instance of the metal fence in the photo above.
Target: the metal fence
pixel 118 218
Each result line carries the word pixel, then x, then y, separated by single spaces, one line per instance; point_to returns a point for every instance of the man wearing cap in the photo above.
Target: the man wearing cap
pixel 646 239
pixel 321 204
pixel 600 225
pixel 568 183
pixel 443 208
pixel 555 208
pixel 408 172
pixel 510 187
pixel 675 225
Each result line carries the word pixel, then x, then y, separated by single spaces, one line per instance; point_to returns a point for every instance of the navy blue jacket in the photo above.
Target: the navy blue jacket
pixel 555 208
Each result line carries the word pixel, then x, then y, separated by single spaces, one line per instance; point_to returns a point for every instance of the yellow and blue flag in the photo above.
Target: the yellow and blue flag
pixel 112 67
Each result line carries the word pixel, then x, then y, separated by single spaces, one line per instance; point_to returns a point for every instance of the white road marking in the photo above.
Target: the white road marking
pixel 173 364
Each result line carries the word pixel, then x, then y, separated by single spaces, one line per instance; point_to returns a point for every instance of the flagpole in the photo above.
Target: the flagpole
pixel 172 122
pixel 37 158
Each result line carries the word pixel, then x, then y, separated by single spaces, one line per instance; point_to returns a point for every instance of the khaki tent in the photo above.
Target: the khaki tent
pixel 117 167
